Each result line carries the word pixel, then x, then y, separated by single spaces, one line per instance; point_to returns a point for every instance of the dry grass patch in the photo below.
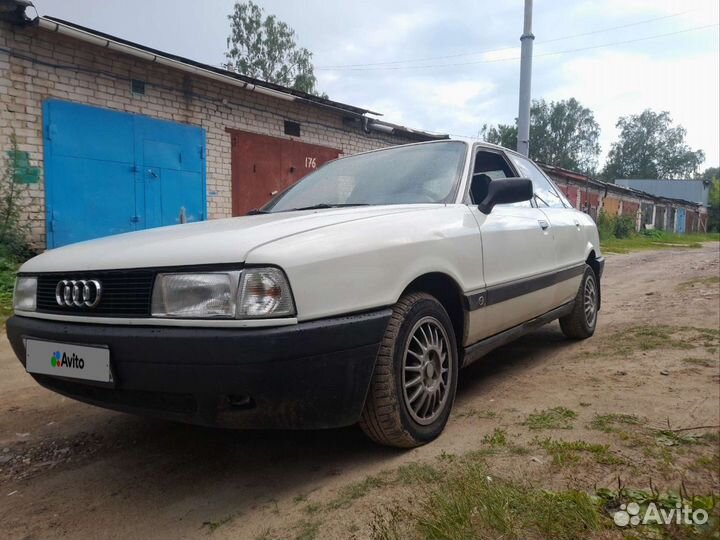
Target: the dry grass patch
pixel 555 418
pixel 609 422
pixel 570 452
pixel 711 281
pixel 472 504
pixel 655 337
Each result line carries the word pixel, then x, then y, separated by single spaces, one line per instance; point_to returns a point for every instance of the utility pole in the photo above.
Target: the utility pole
pixel 526 41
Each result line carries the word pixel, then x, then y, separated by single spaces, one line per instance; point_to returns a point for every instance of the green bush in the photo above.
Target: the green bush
pixel 13 234
pixel 615 226
pixel 714 206
pixel 624 226
pixel 605 226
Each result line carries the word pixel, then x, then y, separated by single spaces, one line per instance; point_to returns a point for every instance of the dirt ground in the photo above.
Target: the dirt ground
pixel 69 470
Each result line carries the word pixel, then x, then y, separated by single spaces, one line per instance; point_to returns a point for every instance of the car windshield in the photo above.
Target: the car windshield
pixel 423 173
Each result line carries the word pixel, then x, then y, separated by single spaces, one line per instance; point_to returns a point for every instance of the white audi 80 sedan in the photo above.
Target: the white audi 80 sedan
pixel 354 296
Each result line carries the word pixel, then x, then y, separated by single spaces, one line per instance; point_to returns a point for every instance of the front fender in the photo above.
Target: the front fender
pixel 358 266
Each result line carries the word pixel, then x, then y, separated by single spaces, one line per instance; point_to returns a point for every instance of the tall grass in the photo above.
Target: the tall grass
pixel 656 240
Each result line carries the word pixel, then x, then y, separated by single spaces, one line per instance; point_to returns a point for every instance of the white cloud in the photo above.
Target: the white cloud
pixel 619 84
pixel 687 11
pixel 677 73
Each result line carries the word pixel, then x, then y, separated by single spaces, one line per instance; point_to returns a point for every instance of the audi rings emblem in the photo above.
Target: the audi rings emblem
pixel 78 293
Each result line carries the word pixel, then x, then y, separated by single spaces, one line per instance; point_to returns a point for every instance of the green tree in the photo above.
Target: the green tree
pixel 562 133
pixel 709 174
pixel 502 134
pixel 649 146
pixel 264 48
pixel 714 206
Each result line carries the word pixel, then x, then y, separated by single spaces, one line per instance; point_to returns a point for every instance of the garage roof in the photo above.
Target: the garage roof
pixel 229 77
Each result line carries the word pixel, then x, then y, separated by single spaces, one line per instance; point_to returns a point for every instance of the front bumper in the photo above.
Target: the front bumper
pixel 310 375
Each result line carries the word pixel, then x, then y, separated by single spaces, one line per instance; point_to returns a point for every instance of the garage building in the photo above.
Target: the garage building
pixel 114 136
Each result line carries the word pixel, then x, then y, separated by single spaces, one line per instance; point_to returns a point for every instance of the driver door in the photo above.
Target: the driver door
pixel 518 255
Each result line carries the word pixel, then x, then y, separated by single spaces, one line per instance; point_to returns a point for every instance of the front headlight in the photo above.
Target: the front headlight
pixel 252 293
pixel 195 296
pixel 25 294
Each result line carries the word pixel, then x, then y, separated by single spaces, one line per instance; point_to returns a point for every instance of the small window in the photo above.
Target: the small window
pixel 292 128
pixel 545 193
pixel 138 87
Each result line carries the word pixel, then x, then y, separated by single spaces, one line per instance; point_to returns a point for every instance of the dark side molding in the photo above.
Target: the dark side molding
pixel 481 348
pixel 508 291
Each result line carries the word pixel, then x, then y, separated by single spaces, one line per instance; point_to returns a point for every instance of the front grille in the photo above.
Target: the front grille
pixel 125 293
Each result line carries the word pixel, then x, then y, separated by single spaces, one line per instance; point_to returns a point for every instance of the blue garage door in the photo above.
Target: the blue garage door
pixel 108 172
pixel 680 221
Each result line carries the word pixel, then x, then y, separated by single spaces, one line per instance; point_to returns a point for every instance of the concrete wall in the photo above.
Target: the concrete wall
pixel 47 65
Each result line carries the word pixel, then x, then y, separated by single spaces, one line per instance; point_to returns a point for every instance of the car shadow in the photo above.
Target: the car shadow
pixel 532 349
pixel 202 474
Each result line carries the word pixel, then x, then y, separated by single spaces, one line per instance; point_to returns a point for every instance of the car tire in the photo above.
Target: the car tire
pixel 413 388
pixel 582 320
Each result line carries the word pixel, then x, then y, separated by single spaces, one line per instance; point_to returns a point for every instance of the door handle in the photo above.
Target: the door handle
pixel 544 225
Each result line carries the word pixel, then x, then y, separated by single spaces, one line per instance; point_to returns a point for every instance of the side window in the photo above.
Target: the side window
pixel 545 193
pixel 489 166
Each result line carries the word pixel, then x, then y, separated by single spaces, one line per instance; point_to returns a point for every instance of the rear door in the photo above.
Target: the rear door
pixel 518 257
pixel 565 228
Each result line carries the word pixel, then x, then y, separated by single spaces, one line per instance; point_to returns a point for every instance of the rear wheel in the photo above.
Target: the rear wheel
pixel 581 322
pixel 413 387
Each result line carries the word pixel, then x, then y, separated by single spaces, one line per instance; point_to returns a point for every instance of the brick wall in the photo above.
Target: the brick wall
pixel 96 76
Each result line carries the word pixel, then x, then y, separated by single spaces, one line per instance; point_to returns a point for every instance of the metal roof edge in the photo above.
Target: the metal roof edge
pixel 117 44
pixel 612 187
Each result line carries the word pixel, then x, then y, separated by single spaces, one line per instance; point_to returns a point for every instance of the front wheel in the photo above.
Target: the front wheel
pixel 413 387
pixel 582 320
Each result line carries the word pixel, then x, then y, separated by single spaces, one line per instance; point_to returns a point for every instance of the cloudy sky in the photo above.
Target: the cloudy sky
pixel 452 66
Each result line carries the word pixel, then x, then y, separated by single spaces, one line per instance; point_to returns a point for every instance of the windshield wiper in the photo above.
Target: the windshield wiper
pixel 256 211
pixel 324 205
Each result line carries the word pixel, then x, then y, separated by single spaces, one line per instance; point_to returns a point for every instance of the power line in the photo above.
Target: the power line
pixel 571 36
pixel 514 58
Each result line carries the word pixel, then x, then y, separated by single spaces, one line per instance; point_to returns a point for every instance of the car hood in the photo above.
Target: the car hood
pixel 208 242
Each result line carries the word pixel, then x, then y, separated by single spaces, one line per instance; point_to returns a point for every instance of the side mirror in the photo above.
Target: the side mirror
pixel 506 190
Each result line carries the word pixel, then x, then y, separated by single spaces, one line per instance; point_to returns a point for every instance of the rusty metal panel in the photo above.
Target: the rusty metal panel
pixel 263 165
pixel 630 208
pixel 572 195
pixel 611 206
pixel 589 203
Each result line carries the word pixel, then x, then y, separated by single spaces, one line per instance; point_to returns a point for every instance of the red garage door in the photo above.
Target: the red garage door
pixel 262 166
